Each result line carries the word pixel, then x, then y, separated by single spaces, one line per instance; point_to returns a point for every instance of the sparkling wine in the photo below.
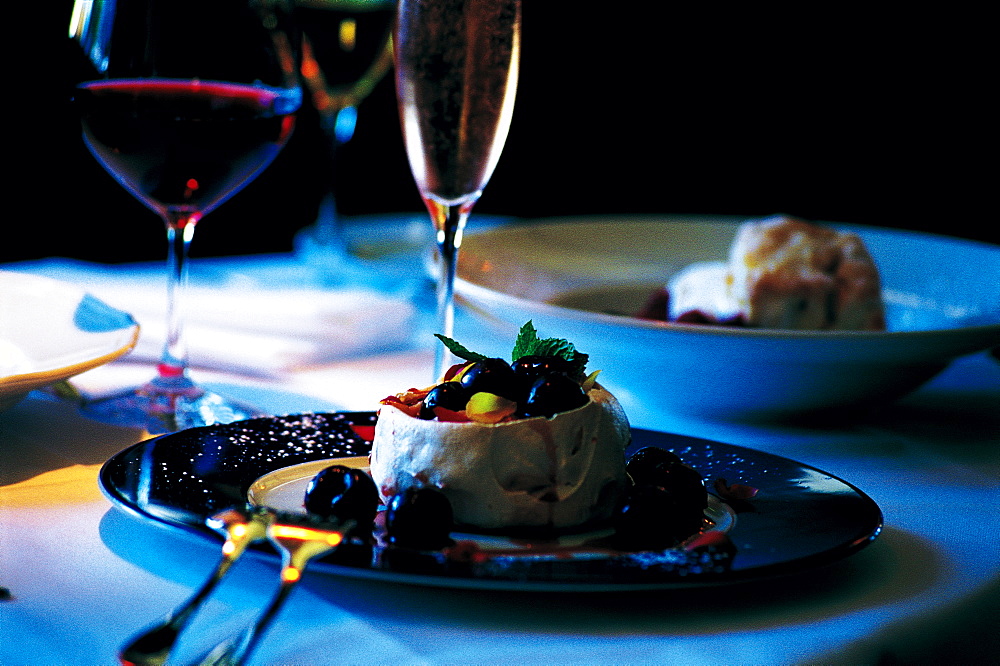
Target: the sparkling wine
pixel 182 145
pixel 456 69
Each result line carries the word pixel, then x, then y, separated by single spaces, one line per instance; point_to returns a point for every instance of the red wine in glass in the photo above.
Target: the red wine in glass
pixel 183 145
pixel 188 102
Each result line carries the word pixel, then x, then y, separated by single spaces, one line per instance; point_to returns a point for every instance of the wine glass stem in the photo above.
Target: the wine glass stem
pixel 172 369
pixel 338 127
pixel 449 223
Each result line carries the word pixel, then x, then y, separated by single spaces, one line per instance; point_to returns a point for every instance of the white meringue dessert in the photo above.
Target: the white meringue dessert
pixel 547 451
pixel 556 472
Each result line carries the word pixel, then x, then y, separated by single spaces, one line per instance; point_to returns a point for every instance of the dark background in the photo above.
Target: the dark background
pixel 861 116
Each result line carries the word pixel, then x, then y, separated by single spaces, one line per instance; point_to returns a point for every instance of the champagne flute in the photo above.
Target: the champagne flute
pixel 456 77
pixel 346 52
pixel 189 100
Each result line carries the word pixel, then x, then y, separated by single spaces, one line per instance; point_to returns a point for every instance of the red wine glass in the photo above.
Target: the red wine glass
pixel 188 101
pixel 456 77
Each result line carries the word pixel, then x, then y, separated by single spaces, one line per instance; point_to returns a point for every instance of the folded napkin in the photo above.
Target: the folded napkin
pixel 262 331
pixel 254 315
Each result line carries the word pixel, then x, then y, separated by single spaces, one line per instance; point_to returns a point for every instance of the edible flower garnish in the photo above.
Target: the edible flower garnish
pixel 408 401
pixel 489 408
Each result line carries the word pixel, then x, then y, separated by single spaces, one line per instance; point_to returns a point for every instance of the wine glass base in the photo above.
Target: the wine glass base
pixel 385 251
pixel 327 256
pixel 158 409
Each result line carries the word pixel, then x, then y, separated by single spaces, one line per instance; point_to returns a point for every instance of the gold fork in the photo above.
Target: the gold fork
pixel 241 527
pixel 299 540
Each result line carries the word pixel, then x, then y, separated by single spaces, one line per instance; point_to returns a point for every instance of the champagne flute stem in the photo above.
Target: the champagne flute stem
pixel 172 369
pixel 449 223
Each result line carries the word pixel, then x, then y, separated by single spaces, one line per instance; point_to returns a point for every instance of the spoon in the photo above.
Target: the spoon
pixel 299 540
pixel 241 527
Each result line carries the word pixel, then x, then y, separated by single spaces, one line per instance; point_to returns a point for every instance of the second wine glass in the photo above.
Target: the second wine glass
pixel 456 77
pixel 346 52
pixel 188 101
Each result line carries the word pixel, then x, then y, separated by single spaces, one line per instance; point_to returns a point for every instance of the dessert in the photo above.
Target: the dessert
pixel 784 273
pixel 533 443
pixel 531 450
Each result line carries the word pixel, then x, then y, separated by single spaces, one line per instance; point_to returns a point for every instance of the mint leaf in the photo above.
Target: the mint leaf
pixel 527 339
pixel 459 350
pixel 554 347
pixel 529 344
pixel 579 361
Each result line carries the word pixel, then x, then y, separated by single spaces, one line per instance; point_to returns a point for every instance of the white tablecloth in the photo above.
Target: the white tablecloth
pixel 83 575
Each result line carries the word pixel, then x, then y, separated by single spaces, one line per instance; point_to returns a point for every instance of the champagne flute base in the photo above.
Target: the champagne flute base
pixel 161 406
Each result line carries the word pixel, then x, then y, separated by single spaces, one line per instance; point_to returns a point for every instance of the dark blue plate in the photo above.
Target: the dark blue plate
pixel 799 518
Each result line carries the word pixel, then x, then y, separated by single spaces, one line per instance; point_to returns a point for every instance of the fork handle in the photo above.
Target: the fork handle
pixel 296 555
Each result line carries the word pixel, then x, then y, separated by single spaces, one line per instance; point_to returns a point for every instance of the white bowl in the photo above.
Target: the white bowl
pixel 52 330
pixel 582 279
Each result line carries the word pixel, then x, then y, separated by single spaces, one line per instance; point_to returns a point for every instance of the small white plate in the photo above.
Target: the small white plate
pixel 52 330
pixel 285 489
pixel 584 279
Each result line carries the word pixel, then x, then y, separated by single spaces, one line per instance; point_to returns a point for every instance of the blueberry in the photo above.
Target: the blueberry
pixel 688 486
pixel 551 394
pixel 449 395
pixel 491 375
pixel 652 518
pixel 647 465
pixel 532 367
pixel 655 466
pixel 419 518
pixel 639 520
pixel 344 493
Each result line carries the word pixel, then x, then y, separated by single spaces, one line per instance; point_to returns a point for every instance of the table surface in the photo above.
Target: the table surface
pixel 83 575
